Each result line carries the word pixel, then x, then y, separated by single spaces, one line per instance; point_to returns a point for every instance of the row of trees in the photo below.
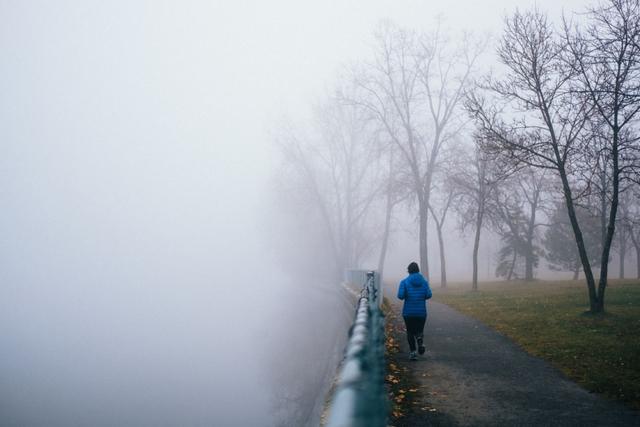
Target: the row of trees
pixel 543 151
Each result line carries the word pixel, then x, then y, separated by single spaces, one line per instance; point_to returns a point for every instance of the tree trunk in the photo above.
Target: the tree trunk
pixel 623 250
pixel 443 264
pixel 423 219
pixel 603 207
pixel 529 259
pixel 528 270
pixel 611 229
pixel 577 232
pixel 637 261
pixel 513 265
pixel 636 246
pixel 385 236
pixel 476 246
pixel 439 223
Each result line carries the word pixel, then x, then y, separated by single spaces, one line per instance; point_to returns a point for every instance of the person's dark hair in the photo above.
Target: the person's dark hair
pixel 413 268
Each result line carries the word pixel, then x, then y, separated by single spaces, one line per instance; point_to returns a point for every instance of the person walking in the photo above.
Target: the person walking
pixel 414 290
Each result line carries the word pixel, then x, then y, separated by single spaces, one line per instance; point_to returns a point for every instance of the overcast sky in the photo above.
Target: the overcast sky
pixel 176 99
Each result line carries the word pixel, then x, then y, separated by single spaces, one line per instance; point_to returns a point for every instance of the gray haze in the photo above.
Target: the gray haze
pixel 137 283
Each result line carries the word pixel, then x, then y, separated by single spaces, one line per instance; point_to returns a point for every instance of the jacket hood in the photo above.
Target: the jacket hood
pixel 415 279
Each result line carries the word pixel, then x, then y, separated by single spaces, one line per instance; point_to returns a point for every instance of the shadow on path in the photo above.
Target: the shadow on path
pixel 473 376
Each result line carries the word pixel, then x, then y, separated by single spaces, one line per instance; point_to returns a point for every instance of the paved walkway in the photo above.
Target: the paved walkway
pixel 473 376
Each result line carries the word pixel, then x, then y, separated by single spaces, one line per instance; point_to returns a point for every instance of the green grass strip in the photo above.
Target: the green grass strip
pixel 548 319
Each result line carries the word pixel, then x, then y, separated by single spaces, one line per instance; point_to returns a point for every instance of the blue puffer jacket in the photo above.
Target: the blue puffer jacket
pixel 414 290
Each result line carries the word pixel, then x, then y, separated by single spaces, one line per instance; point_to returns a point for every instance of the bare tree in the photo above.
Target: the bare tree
pixel 552 110
pixel 475 185
pixel 548 123
pixel 606 57
pixel 413 88
pixel 333 168
pixel 439 213
pixel 445 195
pixel 394 193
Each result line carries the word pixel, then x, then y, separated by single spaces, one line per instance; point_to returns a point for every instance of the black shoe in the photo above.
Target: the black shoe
pixel 421 348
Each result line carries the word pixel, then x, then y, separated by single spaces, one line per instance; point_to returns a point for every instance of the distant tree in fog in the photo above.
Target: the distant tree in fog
pixel 439 211
pixel 629 218
pixel 445 196
pixel 554 87
pixel 510 223
pixel 559 242
pixel 631 215
pixel 412 89
pixel 624 230
pixel 621 245
pixel 475 185
pixel 394 191
pixel 518 204
pixel 332 166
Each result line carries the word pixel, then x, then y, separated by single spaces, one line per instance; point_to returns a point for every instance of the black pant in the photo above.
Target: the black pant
pixel 415 329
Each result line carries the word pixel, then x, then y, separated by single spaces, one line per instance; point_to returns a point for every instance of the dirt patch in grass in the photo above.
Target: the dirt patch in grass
pixel 602 352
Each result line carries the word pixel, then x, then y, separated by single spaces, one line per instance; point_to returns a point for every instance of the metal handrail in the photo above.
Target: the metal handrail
pixel 360 398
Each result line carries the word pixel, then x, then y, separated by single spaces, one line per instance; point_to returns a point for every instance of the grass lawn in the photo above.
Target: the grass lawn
pixel 602 353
